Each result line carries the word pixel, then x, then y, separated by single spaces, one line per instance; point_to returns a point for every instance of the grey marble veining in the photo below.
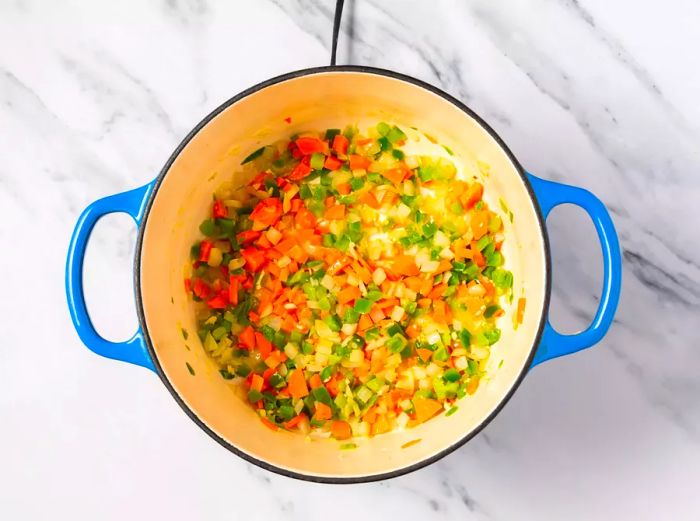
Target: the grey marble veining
pixel 95 96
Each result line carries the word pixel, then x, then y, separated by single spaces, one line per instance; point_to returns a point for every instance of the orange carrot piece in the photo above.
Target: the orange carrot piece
pixel 335 212
pixel 480 223
pixel 521 311
pixel 323 412
pixel 365 322
pixel 424 354
pixel 315 381
pixel 297 384
pixel 405 265
pixel 247 338
pixel 256 383
pixel 395 175
pixel 295 421
pixel 269 424
pixel 426 408
pixel 341 430
pixel 348 294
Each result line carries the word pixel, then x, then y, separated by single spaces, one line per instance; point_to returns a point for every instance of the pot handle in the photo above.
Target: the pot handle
pixel 550 194
pixel 133 350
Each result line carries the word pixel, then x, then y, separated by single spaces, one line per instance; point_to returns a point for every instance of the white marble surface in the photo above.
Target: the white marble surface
pixel 94 96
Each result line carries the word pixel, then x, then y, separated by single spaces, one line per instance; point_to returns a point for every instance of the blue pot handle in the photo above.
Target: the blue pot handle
pixel 133 350
pixel 550 194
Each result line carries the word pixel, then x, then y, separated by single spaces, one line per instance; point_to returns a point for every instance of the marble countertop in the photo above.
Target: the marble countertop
pixel 94 96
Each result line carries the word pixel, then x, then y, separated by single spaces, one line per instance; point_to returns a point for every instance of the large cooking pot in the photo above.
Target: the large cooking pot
pixel 168 210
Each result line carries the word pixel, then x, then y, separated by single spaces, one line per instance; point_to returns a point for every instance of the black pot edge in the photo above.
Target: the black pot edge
pixel 139 301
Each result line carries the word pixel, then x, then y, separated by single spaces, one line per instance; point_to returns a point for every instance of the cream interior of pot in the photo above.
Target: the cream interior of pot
pixel 316 102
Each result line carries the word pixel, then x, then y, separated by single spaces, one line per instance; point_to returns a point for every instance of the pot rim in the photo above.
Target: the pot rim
pixel 139 301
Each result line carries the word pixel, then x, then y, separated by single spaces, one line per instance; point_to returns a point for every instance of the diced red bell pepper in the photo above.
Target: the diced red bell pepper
pixel 205 249
pixel 301 170
pixel 247 338
pixel 233 290
pixel 309 145
pixel 254 258
pixel 267 211
pixel 340 144
pixel 332 163
pixel 247 236
pixel 258 180
pixel 294 150
pixel 217 302
pixel 219 210
pixel 201 289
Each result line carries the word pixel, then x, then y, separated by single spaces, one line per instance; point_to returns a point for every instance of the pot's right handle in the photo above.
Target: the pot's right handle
pixel 550 194
pixel 133 203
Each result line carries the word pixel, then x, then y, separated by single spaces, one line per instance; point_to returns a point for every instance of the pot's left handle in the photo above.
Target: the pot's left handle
pixel 133 203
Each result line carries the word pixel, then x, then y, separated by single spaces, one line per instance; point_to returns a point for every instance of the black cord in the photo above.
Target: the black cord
pixel 336 28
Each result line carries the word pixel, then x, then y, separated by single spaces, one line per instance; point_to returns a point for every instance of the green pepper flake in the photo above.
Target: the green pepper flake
pixel 225 374
pixel 189 368
pixel 254 396
pixel 448 150
pixel 254 155
pixel 362 305
pixel 185 334
pixel 348 446
pixel 452 410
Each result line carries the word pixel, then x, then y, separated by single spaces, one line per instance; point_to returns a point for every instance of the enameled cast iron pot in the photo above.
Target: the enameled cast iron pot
pixel 168 210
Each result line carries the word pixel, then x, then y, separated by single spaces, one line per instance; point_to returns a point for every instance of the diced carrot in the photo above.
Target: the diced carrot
pixel 263 344
pixel 413 330
pixel 445 265
pixel 343 188
pixel 424 302
pixel 295 421
pixel 364 141
pixel 332 386
pixel 370 200
pixel 395 175
pixel 340 144
pixel 348 294
pixel 439 311
pixel 269 424
pixel 520 313
pixel 341 430
pixel 297 384
pixel 332 163
pixel 426 408
pixel 473 385
pixel 478 258
pixel 405 265
pixel 472 195
pixel 480 223
pixel 358 162
pixel 365 322
pixel 437 291
pixel 335 212
pixel 377 314
pixel 323 412
pixel 315 381
pixel 247 338
pixel 371 415
pixel 424 354
pixel 256 382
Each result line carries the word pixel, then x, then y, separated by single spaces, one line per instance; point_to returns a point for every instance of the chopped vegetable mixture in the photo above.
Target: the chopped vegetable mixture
pixel 352 287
